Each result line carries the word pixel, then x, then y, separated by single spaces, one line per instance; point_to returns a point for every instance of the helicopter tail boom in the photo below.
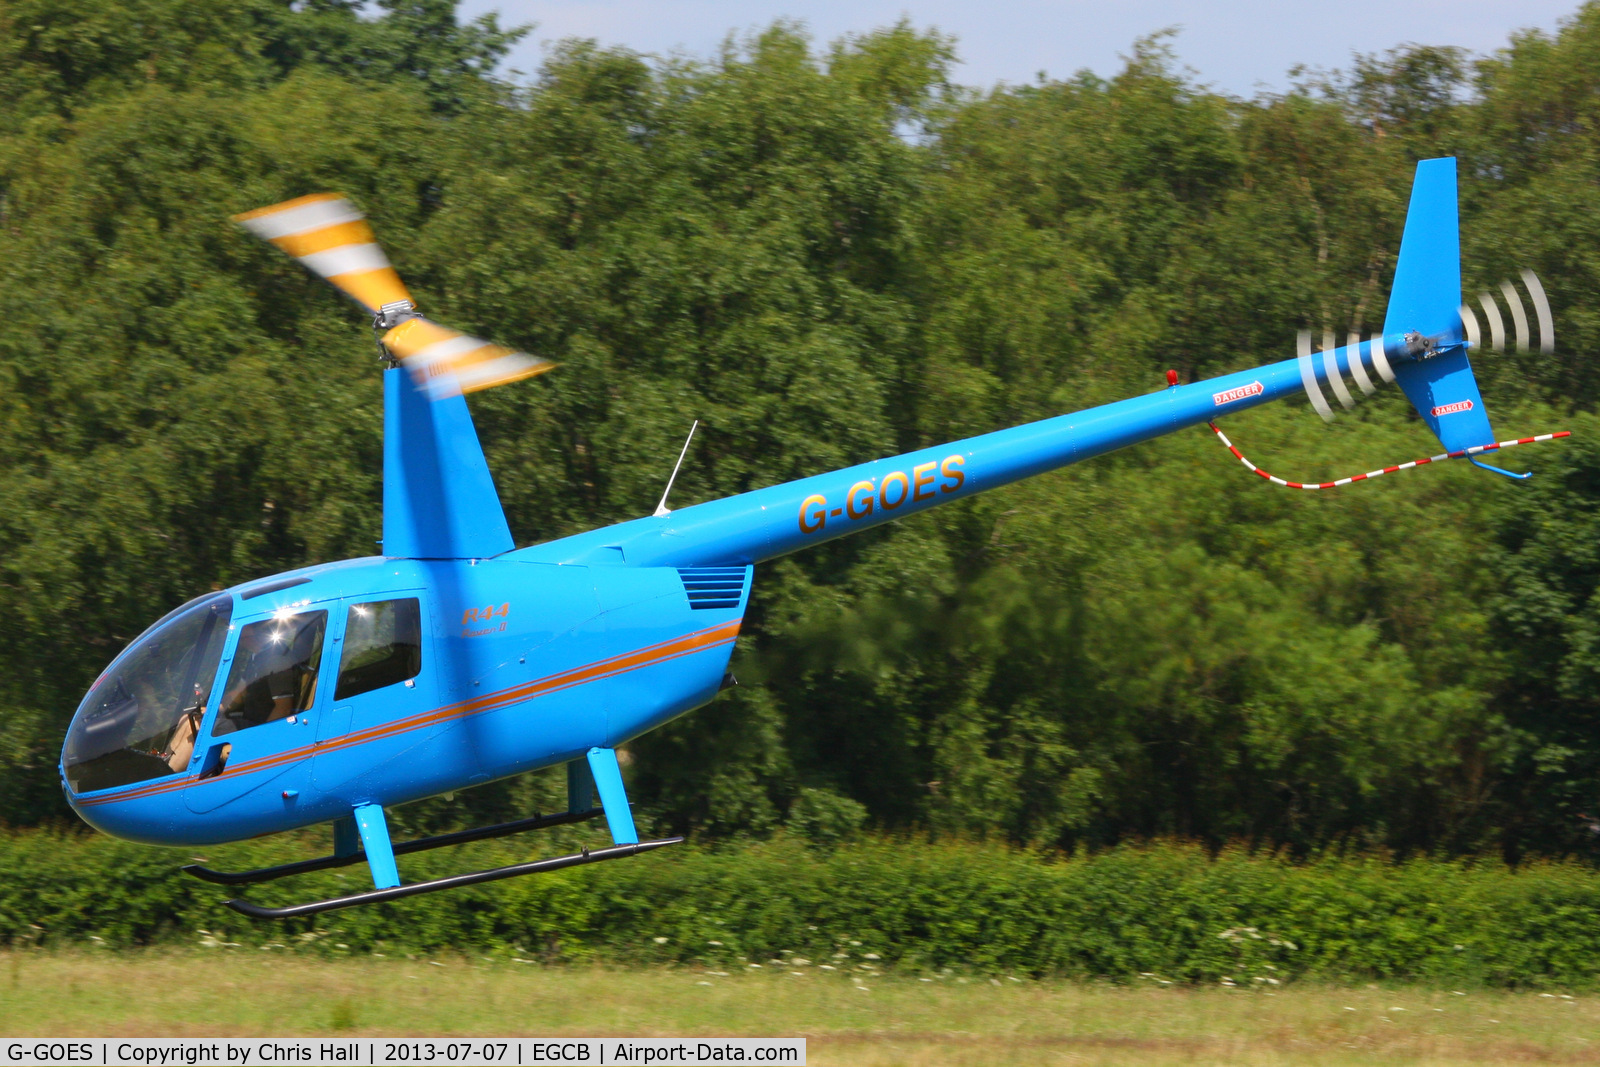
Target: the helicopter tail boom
pixel 767 523
pixel 1422 347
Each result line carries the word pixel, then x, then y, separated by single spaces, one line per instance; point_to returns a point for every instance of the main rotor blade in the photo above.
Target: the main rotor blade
pixel 331 237
pixel 444 361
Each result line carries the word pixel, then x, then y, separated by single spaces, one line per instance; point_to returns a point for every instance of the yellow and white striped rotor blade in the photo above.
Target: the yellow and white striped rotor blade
pixel 330 236
pixel 444 362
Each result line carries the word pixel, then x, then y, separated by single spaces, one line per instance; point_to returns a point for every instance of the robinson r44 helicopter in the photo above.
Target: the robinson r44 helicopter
pixel 331 693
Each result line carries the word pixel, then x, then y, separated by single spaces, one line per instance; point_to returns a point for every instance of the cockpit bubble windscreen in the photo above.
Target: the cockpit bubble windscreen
pixel 140 719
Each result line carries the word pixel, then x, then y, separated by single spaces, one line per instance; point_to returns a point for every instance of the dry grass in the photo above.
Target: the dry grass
pixel 871 1021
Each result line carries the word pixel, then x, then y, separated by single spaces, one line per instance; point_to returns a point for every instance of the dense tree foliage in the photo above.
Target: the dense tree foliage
pixel 827 255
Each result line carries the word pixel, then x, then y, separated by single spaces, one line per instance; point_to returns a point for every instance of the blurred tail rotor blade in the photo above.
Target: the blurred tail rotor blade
pixel 1380 358
pixel 445 362
pixel 1519 315
pixel 1469 323
pixel 1497 325
pixel 1308 378
pixel 1541 307
pixel 331 237
pixel 1330 368
pixel 1358 366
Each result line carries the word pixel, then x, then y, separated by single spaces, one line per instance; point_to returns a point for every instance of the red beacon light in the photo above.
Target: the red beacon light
pixel 1172 378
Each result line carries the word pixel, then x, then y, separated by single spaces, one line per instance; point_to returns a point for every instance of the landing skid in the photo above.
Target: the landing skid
pixel 377 896
pixel 422 844
pixel 599 772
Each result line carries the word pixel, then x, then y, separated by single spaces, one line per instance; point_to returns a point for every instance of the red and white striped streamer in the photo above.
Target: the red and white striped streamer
pixel 1462 454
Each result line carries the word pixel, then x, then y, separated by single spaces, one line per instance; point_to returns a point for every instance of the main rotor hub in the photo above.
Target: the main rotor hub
pixel 387 318
pixel 391 315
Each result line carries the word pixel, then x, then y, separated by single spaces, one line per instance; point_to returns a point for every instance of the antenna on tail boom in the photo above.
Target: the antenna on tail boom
pixel 661 508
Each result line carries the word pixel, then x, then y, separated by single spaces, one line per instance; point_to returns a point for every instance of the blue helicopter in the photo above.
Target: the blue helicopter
pixel 333 692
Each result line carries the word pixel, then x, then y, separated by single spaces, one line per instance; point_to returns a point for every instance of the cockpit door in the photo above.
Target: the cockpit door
pixel 259 730
pixel 381 691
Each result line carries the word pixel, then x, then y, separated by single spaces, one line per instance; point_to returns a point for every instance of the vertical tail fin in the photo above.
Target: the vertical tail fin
pixel 439 500
pixel 1422 332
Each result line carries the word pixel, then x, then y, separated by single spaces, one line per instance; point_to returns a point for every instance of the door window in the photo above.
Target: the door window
pixel 274 671
pixel 382 646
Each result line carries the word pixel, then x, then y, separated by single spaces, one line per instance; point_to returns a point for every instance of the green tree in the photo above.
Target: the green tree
pixel 827 255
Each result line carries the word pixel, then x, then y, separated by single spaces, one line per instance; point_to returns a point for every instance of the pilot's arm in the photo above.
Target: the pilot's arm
pixel 181 746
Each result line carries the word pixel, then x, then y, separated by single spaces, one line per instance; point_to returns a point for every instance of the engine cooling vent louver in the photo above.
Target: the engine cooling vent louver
pixel 713 587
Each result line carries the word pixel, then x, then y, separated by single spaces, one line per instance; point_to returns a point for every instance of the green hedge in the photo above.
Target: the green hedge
pixel 1166 911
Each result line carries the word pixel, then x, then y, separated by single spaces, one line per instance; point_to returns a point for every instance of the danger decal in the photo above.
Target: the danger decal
pixel 1228 396
pixel 1451 409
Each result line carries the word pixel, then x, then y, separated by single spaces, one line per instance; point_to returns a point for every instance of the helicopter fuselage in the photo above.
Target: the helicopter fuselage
pixel 522 665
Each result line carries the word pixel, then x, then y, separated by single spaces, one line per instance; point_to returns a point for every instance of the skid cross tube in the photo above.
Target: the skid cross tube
pixel 421 844
pixel 377 896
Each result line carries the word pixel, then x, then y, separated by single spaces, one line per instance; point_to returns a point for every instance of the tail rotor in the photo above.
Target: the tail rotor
pixel 1519 317
pixel 1358 366
pixel 1357 356
pixel 1326 362
pixel 1427 333
pixel 1541 306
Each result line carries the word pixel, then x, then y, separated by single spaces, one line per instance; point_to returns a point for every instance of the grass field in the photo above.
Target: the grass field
pixel 848 1018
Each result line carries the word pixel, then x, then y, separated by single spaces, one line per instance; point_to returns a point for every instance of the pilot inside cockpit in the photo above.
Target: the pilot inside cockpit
pixel 274 673
pixel 181 744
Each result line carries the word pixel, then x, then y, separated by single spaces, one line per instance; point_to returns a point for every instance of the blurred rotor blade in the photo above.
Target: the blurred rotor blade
pixel 331 237
pixel 1308 378
pixel 1519 315
pixel 445 362
pixel 1330 367
pixel 1358 366
pixel 1541 307
pixel 1380 358
pixel 1497 326
pixel 1469 323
